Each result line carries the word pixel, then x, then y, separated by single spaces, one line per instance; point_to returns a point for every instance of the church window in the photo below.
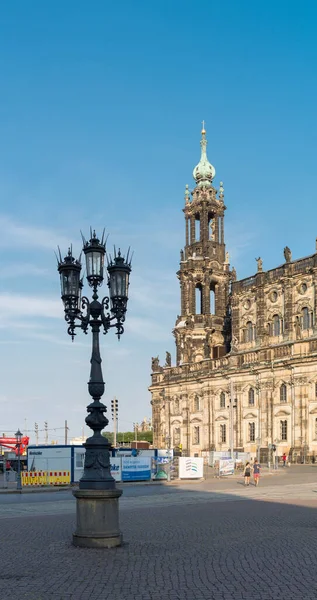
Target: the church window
pixel 276 325
pixel 212 301
pixel 197 228
pixel 315 429
pixel 196 436
pixel 251 397
pixel 176 406
pixel 283 393
pixel 252 432
pixel 198 300
pixel 283 425
pixel 316 389
pixel 177 436
pixel 249 332
pixel 305 318
pixel 222 400
pixel 196 403
pixel 223 434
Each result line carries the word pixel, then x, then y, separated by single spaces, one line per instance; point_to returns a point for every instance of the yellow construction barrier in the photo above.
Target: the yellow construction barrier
pixel 45 478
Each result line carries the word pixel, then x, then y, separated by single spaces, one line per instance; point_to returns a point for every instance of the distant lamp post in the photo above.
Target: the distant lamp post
pixel 258 447
pixel 97 497
pixel 18 437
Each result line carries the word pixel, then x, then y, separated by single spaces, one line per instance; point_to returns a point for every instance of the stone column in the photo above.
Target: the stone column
pixel 260 307
pixel 315 299
pixel 220 306
pixel 187 230
pixel 235 317
pixel 206 292
pixel 192 299
pixel 288 309
pixel 192 229
pixel 97 518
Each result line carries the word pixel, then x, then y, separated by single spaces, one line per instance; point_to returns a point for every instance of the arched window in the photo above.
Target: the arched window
pixel 197 228
pixel 249 331
pixel 276 325
pixel 176 406
pixel 283 393
pixel 315 432
pixel 283 425
pixel 196 404
pixel 251 396
pixel 223 434
pixel 177 436
pixel 251 432
pixel 198 300
pixel 196 436
pixel 305 318
pixel 222 400
pixel 212 301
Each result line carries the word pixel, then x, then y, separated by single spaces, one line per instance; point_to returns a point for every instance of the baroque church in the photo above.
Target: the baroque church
pixel 246 350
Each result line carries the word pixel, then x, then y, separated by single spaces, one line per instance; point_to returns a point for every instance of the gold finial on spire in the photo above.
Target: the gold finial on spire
pixel 203 131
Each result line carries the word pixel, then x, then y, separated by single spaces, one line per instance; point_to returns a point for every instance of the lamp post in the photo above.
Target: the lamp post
pixel 97 497
pixel 18 436
pixel 258 447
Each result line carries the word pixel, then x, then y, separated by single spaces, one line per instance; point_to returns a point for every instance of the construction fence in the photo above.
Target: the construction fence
pixel 30 478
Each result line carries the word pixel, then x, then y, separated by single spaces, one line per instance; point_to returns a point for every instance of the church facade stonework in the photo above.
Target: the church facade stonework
pixel 246 351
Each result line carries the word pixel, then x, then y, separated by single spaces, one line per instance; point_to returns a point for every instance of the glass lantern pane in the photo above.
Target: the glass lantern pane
pixel 70 283
pixel 94 264
pixel 117 284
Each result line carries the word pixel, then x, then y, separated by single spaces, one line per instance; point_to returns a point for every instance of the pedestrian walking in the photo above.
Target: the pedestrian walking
pixel 284 459
pixel 247 474
pixel 256 472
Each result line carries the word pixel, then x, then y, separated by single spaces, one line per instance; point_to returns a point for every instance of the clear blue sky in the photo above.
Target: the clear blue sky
pixel 101 106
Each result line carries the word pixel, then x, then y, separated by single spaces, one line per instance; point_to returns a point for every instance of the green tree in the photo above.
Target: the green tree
pixel 129 436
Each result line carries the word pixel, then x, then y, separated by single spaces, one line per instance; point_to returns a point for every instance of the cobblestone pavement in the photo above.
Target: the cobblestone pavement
pixel 204 546
pixel 64 503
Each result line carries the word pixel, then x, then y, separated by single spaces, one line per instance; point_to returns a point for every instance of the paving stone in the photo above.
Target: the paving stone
pixel 242 550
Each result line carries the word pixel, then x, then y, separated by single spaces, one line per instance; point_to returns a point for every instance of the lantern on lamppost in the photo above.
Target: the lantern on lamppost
pixel 97 484
pixel 18 437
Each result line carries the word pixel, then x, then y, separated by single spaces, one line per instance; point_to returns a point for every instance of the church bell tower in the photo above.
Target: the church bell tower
pixel 201 331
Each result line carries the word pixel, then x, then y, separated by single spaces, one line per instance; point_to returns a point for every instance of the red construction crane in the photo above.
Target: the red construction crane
pixel 11 443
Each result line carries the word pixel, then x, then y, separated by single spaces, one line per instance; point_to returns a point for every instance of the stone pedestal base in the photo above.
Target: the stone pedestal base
pixel 97 519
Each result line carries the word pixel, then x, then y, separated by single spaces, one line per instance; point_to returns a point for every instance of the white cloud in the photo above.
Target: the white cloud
pixel 21 270
pixel 147 329
pixel 19 306
pixel 29 236
pixel 154 293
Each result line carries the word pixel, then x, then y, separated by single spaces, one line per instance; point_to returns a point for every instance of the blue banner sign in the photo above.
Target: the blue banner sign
pixel 136 468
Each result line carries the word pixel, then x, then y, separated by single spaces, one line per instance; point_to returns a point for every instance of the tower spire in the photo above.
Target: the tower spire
pixel 204 172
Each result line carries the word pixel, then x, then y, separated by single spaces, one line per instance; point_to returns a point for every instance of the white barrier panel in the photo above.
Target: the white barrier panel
pixel 226 466
pixel 190 467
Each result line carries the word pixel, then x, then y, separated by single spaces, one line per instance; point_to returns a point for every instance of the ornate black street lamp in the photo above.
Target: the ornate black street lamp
pixel 81 313
pixel 18 437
